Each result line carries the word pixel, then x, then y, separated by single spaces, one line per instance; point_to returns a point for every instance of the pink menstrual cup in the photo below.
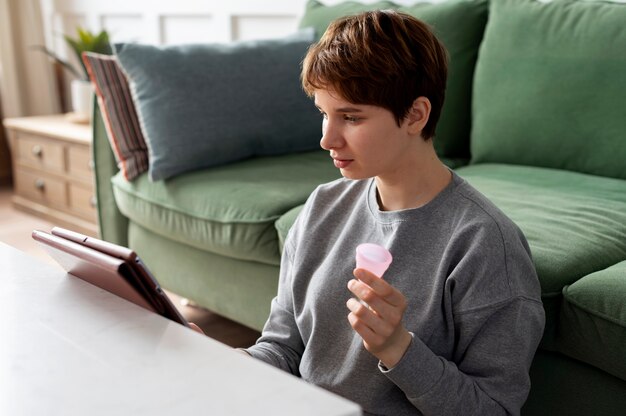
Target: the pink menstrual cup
pixel 373 257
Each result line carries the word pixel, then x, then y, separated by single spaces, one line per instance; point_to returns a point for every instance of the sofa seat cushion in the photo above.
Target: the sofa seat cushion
pixel 228 210
pixel 575 223
pixel 284 223
pixel 593 320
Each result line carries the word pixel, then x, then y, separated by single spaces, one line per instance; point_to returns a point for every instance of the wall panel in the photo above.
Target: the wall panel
pixel 171 22
pixel 246 27
pixel 123 27
pixel 179 29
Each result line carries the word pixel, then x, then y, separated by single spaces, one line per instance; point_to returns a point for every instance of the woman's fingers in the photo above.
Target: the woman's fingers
pixel 380 287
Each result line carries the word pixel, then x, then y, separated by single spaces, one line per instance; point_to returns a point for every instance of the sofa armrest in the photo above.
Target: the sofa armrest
pixel 113 224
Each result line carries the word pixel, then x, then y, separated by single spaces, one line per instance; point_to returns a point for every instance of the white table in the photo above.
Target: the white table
pixel 70 348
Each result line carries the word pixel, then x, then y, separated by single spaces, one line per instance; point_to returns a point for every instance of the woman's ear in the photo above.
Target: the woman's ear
pixel 418 115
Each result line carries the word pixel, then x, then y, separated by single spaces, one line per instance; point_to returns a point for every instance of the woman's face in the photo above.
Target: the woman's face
pixel 364 140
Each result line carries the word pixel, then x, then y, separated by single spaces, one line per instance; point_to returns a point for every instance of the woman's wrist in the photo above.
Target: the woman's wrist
pixel 391 356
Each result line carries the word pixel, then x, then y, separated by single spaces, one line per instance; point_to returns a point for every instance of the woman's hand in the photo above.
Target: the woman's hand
pixel 380 324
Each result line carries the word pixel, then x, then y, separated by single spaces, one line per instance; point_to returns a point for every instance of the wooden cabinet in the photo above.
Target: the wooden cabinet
pixel 53 170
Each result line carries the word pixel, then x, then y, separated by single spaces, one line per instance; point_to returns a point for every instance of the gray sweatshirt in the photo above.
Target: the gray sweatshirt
pixel 474 308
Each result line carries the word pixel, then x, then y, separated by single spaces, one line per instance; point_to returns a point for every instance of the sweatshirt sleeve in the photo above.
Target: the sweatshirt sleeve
pixel 280 344
pixel 492 376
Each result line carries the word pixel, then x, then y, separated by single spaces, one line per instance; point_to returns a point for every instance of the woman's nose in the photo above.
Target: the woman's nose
pixel 331 138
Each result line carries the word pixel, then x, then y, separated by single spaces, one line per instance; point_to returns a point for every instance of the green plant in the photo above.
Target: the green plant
pixel 85 41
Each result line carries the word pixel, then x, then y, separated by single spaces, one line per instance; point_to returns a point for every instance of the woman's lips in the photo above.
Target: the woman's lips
pixel 342 163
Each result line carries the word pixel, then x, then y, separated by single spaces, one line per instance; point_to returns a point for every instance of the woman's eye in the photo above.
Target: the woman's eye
pixel 324 115
pixel 351 119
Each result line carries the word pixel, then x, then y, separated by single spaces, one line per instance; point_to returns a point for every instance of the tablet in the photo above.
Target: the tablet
pixel 113 268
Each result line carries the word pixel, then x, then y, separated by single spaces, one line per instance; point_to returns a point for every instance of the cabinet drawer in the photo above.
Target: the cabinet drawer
pixel 82 201
pixel 39 188
pixel 79 161
pixel 40 152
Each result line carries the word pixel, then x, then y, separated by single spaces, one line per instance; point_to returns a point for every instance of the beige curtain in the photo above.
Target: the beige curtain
pixel 27 84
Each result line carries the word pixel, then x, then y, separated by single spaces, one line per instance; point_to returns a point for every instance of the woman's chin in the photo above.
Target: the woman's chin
pixel 354 175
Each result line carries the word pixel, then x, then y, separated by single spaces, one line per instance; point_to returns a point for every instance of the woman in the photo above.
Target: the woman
pixel 453 325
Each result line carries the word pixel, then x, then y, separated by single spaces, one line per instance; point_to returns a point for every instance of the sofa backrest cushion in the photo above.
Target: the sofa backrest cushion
pixel 118 113
pixel 319 15
pixel 211 104
pixel 459 24
pixel 550 86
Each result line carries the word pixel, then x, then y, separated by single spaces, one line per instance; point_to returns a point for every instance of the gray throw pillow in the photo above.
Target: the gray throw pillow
pixel 211 104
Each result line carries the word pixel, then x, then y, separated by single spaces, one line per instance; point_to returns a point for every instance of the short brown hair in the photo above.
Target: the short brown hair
pixel 383 58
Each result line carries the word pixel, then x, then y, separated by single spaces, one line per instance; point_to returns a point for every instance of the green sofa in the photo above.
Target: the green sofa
pixel 534 119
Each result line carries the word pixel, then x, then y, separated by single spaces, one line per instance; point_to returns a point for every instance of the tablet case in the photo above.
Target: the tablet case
pixel 113 268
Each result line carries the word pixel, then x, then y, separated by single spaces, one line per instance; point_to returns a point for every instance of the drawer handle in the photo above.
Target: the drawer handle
pixel 37 151
pixel 40 184
pixel 93 201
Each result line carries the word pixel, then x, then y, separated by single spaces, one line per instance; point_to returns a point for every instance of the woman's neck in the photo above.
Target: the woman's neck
pixel 416 185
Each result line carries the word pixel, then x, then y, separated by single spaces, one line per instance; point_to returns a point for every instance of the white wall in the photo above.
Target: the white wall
pixel 165 22
pixel 172 21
